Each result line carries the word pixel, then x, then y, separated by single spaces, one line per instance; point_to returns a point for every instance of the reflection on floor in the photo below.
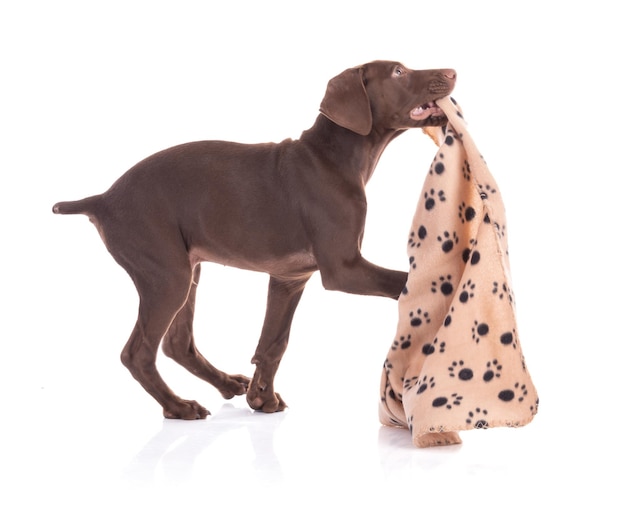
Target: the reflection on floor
pixel 117 460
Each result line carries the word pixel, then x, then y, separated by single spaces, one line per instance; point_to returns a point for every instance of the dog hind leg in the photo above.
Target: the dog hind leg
pixel 179 345
pixel 162 292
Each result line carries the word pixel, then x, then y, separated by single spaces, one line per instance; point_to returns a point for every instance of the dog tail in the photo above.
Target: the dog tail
pixel 86 206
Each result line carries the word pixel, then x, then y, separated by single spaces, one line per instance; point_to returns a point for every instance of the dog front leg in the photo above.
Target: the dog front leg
pixel 359 276
pixel 282 300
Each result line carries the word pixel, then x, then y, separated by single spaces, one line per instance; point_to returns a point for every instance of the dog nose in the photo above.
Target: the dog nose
pixel 449 73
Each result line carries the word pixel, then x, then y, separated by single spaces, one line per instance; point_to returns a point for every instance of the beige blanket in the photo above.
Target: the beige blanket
pixel 456 362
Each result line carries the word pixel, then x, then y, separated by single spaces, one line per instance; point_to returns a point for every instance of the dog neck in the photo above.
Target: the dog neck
pixel 354 155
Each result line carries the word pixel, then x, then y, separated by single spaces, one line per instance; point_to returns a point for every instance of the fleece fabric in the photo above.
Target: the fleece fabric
pixel 456 361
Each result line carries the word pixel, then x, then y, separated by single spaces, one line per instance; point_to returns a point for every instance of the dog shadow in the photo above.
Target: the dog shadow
pixel 179 449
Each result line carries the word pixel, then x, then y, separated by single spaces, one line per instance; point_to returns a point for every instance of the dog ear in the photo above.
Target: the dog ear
pixel 346 102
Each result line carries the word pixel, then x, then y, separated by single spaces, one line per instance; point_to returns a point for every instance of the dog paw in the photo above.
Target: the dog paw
pixel 268 402
pixel 235 385
pixel 184 409
pixel 438 439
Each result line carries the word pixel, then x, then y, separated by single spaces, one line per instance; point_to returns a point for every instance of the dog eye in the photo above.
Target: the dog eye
pixel 398 72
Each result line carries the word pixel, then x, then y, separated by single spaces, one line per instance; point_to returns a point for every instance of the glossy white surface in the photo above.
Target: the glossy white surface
pixel 89 90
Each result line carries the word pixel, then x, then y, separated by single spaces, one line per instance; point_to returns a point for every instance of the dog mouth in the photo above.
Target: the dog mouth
pixel 428 110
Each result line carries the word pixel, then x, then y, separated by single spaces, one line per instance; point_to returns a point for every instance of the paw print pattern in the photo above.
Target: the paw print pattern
pixel 466 170
pixel 457 369
pixel 392 395
pixel 419 317
pixel 477 413
pixel 519 392
pixel 493 369
pixel 409 383
pixel 448 319
pixel 500 229
pixel 416 238
pixel 502 291
pixel 443 401
pixel 479 330
pixel 437 167
pixel 509 339
pixel 467 291
pixel 448 241
pixel 444 285
pixel 471 254
pixel 430 198
pixel 404 342
pixel 431 348
pixel 457 348
pixel 466 213
pixel 420 384
pixel 486 190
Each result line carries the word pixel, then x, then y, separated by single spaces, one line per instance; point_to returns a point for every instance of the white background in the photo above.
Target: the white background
pixel 90 88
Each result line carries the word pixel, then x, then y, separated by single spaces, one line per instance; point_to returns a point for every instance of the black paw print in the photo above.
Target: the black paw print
pixel 500 229
pixel 466 170
pixel 519 391
pixel 479 330
pixel 391 394
pixel 448 319
pixel 419 318
pixel 437 165
pixel 466 213
pixel 467 292
pixel 486 190
pixel 509 338
pixel 493 370
pixel 430 197
pixel 425 384
pixel 412 263
pixel 502 291
pixel 448 241
pixel 471 254
pixel 415 238
pixel 409 383
pixel 464 374
pixel 445 285
pixel 455 399
pixel 479 423
pixel 431 348
pixel 403 343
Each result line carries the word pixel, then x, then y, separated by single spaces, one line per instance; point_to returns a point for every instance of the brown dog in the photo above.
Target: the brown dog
pixel 286 209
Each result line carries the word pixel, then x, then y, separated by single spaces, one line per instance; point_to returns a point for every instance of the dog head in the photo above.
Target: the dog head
pixel 386 95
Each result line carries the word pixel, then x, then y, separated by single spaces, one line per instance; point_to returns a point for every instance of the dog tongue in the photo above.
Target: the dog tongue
pixel 417 112
pixel 425 111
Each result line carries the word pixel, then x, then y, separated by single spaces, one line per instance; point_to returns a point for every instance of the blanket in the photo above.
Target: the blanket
pixel 456 361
